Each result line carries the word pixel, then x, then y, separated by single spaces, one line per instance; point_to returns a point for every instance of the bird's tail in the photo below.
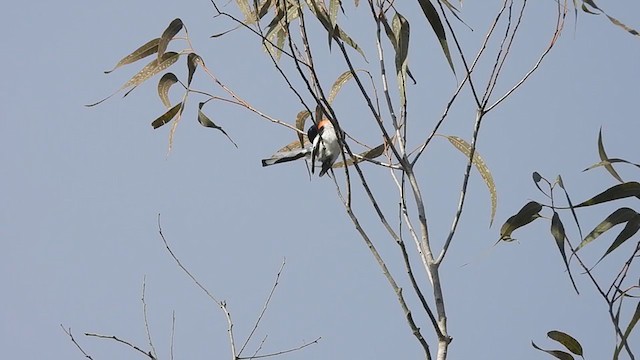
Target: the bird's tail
pixel 286 156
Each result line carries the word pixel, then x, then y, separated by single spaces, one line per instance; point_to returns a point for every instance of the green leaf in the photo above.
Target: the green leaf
pixel 611 161
pixel 559 234
pixel 244 7
pixel 436 24
pixel 167 116
pixel 206 122
pixel 140 53
pixel 337 85
pixel 193 60
pixel 632 227
pixel 174 27
pixel 623 26
pixel 567 340
pixel 301 118
pixel 148 71
pixel 573 210
pixel 527 214
pixel 369 154
pixel 558 354
pixel 615 192
pixel 617 217
pixel 165 83
pixel 400 28
pixel 604 157
pixel 482 168
pixel 627 332
pixel 319 10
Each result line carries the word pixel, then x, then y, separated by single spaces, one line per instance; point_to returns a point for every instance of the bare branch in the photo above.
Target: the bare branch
pixel 281 352
pixel 116 339
pixel 146 320
pixel 73 340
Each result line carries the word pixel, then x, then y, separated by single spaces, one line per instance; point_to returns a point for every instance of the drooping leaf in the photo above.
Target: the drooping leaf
pixel 617 217
pixel 482 168
pixel 623 26
pixel 436 24
pixel 140 53
pixel 567 340
pixel 611 161
pixel 244 7
pixel 627 332
pixel 400 28
pixel 206 122
pixel 527 214
pixel 632 227
pixel 319 10
pixel 165 83
pixel 615 192
pixel 604 157
pixel 573 210
pixel 193 60
pixel 301 118
pixel 557 230
pixel 369 154
pixel 148 71
pixel 167 116
pixel 558 354
pixel 174 27
pixel 536 180
pixel 337 85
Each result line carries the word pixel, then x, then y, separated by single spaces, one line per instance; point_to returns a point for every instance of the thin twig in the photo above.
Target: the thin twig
pixel 73 340
pixel 146 320
pixel 117 339
pixel 281 352
pixel 264 308
pixel 221 304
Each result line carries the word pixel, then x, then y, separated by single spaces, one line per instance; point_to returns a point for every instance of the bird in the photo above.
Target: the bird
pixel 324 148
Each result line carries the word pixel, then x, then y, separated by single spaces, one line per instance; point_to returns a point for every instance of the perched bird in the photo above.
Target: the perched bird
pixel 324 148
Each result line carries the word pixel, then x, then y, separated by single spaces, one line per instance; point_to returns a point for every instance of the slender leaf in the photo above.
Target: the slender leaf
pixel 148 71
pixel 615 192
pixel 140 53
pixel 174 27
pixel 617 217
pixel 604 157
pixel 369 154
pixel 301 118
pixel 206 122
pixel 337 85
pixel 632 227
pixel 527 214
pixel 558 354
pixel 167 116
pixel 557 230
pixel 436 24
pixel 400 28
pixel 627 332
pixel 165 83
pixel 573 210
pixel 567 340
pixel 483 169
pixel 245 8
pixel 611 161
pixel 193 60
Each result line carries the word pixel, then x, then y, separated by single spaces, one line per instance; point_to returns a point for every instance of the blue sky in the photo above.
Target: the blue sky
pixel 82 188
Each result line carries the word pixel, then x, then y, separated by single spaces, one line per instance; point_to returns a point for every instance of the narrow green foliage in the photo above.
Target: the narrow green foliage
pixel 436 24
pixel 627 332
pixel 301 118
pixel 558 354
pixel 167 116
pixel 559 234
pixel 337 85
pixel 619 216
pixel 193 60
pixel 615 192
pixel 482 168
pixel 400 28
pixel 567 340
pixel 527 214
pixel 369 154
pixel 142 52
pixel 605 158
pixel 174 27
pixel 206 122
pixel 166 81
